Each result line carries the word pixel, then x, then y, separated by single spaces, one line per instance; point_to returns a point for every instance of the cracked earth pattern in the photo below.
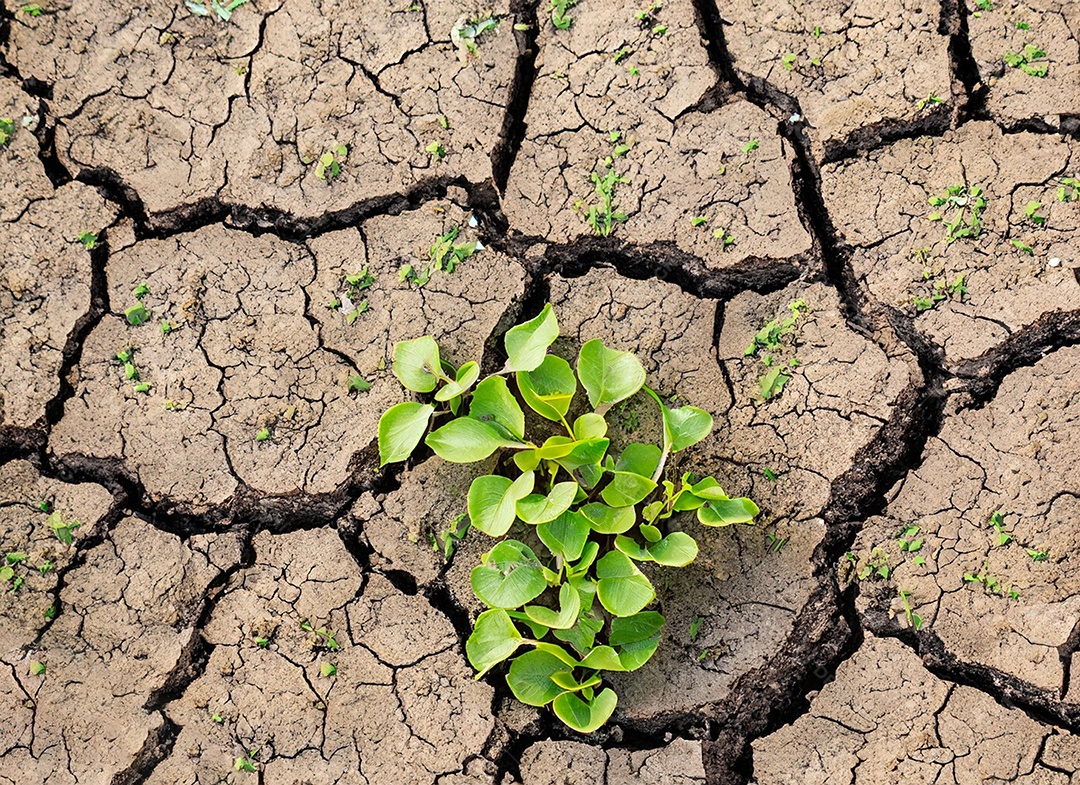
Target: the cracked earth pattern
pixel 243 585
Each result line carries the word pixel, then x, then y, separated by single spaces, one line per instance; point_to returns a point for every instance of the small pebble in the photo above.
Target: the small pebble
pixel 1054 262
pixel 795 118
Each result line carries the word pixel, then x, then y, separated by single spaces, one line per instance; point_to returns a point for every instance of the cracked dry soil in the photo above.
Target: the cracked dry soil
pixel 242 584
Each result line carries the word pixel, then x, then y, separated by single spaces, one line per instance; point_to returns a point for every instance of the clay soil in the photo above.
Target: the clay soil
pixel 244 584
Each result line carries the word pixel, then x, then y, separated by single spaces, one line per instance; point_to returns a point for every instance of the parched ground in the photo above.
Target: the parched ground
pixel 207 228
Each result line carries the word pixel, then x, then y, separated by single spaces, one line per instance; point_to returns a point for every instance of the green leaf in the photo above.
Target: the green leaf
pixel 728 511
pixel 465 440
pixel 608 375
pixel 137 314
pixel 509 576
pixel 400 429
pixel 630 547
pixel 607 520
pixel 530 678
pixel 557 651
pixel 566 680
pixel 685 426
pixel 527 344
pixel 584 453
pixel 640 459
pixel 588 556
pixel 632 629
pixel 493 501
pixel 772 383
pixel 417 365
pixel 622 589
pixel 590 426
pixel 676 550
pixel 493 402
pixel 634 655
pixel 536 508
pixel 627 489
pixel 549 389
pixel 566 535
pixel 493 639
pixel 582 635
pixel 602 658
pixel 585 717
pixel 467 375
pixel 650 533
pixel 569 608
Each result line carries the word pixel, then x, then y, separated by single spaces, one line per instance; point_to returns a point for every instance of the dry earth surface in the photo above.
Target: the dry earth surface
pixel 205 577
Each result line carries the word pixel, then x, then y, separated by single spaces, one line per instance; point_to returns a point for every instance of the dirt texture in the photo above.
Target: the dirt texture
pixel 854 72
pixel 846 230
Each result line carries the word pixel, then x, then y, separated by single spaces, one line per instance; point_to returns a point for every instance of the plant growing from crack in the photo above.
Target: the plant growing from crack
pixel 351 288
pixel 774 344
pixel 575 596
pixel 444 256
pixel 603 217
pixel 328 167
pixel 467 30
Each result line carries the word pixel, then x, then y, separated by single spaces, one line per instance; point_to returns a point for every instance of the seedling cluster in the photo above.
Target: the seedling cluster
pixel 131 373
pixel 444 256
pixel 224 12
pixel 774 344
pixel 967 205
pixel 603 217
pixel 7 130
pixel 560 16
pixel 351 288
pixel 328 167
pixel 468 30
pixel 940 290
pixel 570 589
pixel 1031 60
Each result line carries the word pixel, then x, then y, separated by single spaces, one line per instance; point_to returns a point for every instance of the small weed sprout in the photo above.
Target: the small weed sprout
pixel 1031 212
pixel 788 61
pixel 328 167
pixel 773 344
pixel 137 314
pixel 89 240
pixel 560 17
pixel 7 130
pixel 578 602
pixel 224 12
pixel 62 527
pixel 436 150
pixel 751 146
pixel 33 9
pixel 248 762
pixel 351 288
pixel 930 100
pixel 1031 60
pixel 1069 190
pixel 466 32
pixel 444 256
pixel 603 217
pixel 446 542
pixel 913 619
pixel 358 384
pixel 968 205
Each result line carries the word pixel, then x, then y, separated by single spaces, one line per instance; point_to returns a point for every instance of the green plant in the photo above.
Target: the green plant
pixel 877 566
pixel 1022 247
pixel 928 101
pixel 446 542
pixel 7 130
pixel 89 240
pixel 985 5
pixel 37 668
pixel 33 9
pixel 141 290
pixel 352 286
pixel 248 762
pixel 580 602
pixel 359 384
pixel 466 31
pixel 321 638
pixel 695 627
pixel 723 236
pixel 328 167
pixel 776 543
pixel 969 204
pixel 262 435
pixel 909 540
pixel 997 520
pixel 941 290
pixel 62 527
pixel 137 314
pixel 913 619
pixel 788 61
pixel 1031 211
pixel 603 217
pixel 1037 555
pixel 750 146
pixel 1031 60
pixel 774 343
pixel 990 584
pixel 224 12
pixel 443 256
pixel 327 670
pixel 698 220
pixel 436 150
pixel 1069 190
pixel 559 16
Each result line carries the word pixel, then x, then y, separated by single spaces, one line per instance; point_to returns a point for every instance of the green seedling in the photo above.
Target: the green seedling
pixel 750 146
pixel 262 435
pixel 137 314
pixel 7 130
pixel 560 17
pixel 465 33
pixel 89 240
pixel 990 584
pixel 1069 190
pixel 877 566
pixel 62 527
pixel 724 237
pixel 775 343
pixel 816 32
pixel 45 567
pixel 930 100
pixel 33 9
pixel 37 668
pixel 249 762
pixel 327 670
pixel 698 220
pixel 968 205
pixel 997 520
pixel 909 540
pixel 143 387
pixel 1031 60
pixel 436 150
pixel 6 574
pixel 50 613
pixel 659 30
pixel 261 642
pixel 443 256
pixel 322 638
pixel 15 557
pixel 1022 247
pixel 704 654
pixel 574 597
pixel 621 55
pixel 352 286
pixel 358 384
pixel 776 543
pixel 985 5
pixel 1037 555
pixel 217 719
pixel 446 542
pixel 603 217
pixel 769 474
pixel 444 122
pixel 788 61
pixel 695 627
pixel 141 291
pixel 941 290
pixel 913 619
pixel 328 167
pixel 167 327
pixel 1031 211
pixel 223 12
pixel 633 70
pixel 45 506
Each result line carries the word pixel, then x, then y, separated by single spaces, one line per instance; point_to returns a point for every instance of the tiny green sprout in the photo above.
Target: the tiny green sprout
pixel 262 434
pixel 1031 60
pixel 328 167
pixel 217 719
pixel 603 217
pixel 614 136
pixel 621 55
pixel 37 668
pixel 141 291
pixel 89 240
pixel 50 613
pixel 877 566
pixel 45 506
pixel 446 543
pixel 143 387
pixel 45 567
pixel 634 70
pixel 1022 247
pixel 559 16
pixel 63 528
pixel 1069 190
pixel 774 342
pixel 985 5
pixel 262 642
pixel 358 384
pixel 436 150
pixel 1023 26
pixel 33 9
pixel 913 619
pixel 136 315
pixel 660 30
pixel 776 543
pixel 769 474
pixel 704 653
pixel 723 236
pixel 997 520
pixel 247 762
pixel 907 539
pixel 465 33
pixel 698 220
pixel 1038 555
pixel 1031 211
pixel 920 560
pixel 815 61
pixel 15 557
pixel 444 122
pixel 750 146
pixel 7 130
pixel 930 99
pixel 695 627
pixel 130 371
pixel 788 61
pixel 968 204
pixel 167 327
pixel 6 574
pixel 327 670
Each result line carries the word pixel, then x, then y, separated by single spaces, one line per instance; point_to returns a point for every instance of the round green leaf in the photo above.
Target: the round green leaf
pixel 465 440
pixel 621 587
pixel 630 547
pixel 527 343
pixel 467 375
pixel 493 502
pixel 566 680
pixel 509 576
pixel 588 452
pixel 549 389
pixel 686 426
pixel 728 511
pixel 493 639
pixel 569 607
pixel 417 365
pixel 585 717
pixel 536 508
pixel 566 535
pixel 640 459
pixel 634 655
pixel 530 678
pixel 558 651
pixel 638 627
pixel 493 402
pixel 608 520
pixel 676 550
pixel 400 429
pixel 602 658
pixel 626 489
pixel 608 375
pixel 590 426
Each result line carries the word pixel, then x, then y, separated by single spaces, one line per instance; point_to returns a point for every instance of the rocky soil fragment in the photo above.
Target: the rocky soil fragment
pixel 254 362
pixel 856 71
pixel 980 537
pixel 573 763
pixel 185 106
pixel 972 266
pixel 125 633
pixel 46 272
pixel 1027 53
pixel 618 105
pixel 316 671
pixel 886 719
